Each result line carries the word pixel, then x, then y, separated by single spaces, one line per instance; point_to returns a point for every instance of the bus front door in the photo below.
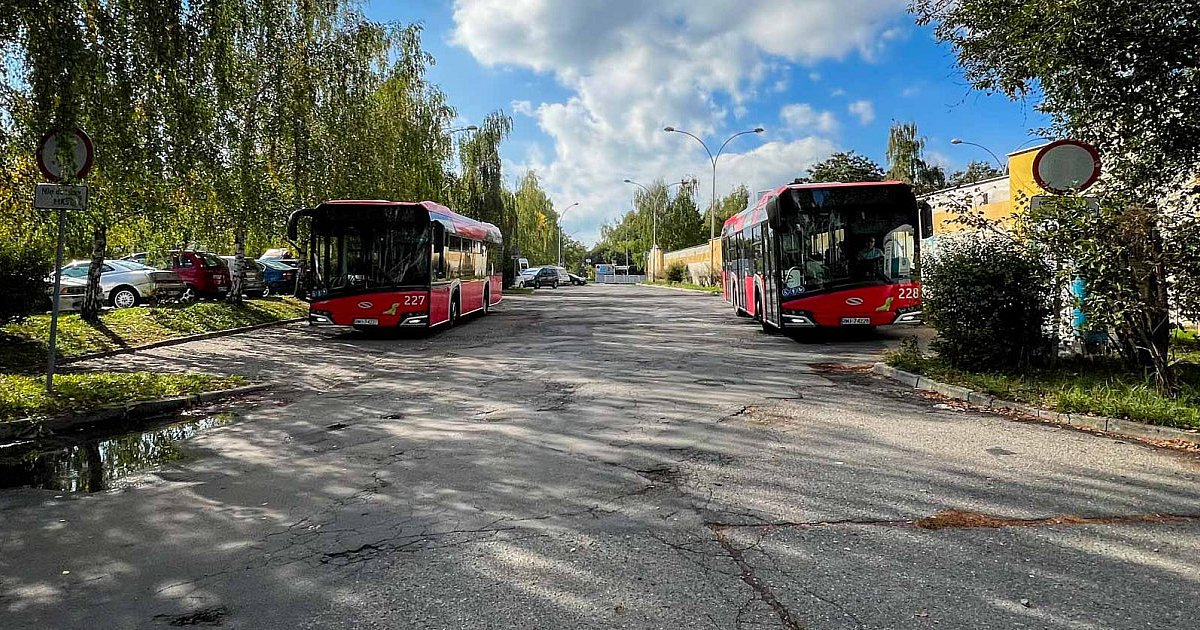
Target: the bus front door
pixel 770 276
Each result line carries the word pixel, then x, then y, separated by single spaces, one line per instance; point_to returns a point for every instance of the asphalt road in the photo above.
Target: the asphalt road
pixel 605 457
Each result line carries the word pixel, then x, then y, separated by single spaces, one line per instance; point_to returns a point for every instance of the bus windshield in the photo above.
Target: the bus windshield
pixel 841 237
pixel 369 248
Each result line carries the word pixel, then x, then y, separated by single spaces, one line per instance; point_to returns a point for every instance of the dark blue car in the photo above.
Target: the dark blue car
pixel 279 277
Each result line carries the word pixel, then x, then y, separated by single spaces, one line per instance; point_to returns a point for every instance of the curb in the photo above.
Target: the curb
pixel 1126 428
pixel 127 411
pixel 662 286
pixel 174 341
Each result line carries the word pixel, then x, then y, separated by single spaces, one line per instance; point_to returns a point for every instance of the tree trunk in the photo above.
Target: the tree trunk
pixel 94 297
pixel 237 275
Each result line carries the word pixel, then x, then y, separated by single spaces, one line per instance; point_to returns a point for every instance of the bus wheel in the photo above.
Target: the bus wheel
pixel 487 300
pixel 454 311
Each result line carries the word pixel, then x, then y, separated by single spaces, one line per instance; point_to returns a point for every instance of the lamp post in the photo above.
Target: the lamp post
pixel 1002 165
pixel 560 230
pixel 712 207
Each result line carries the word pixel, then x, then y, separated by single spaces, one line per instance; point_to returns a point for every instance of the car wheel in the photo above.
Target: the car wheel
pixel 124 297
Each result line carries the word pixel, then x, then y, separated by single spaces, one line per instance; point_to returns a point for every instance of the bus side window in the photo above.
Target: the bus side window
pixel 481 262
pixel 438 257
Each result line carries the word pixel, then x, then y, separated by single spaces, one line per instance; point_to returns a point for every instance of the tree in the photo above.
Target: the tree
pixel 975 172
pixel 906 160
pixel 843 166
pixel 729 205
pixel 1121 75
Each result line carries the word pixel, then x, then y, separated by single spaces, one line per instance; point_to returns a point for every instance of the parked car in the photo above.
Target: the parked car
pixel 527 277
pixel 281 255
pixel 70 293
pixel 203 274
pixel 252 280
pixel 139 257
pixel 577 280
pixel 126 283
pixel 547 277
pixel 278 276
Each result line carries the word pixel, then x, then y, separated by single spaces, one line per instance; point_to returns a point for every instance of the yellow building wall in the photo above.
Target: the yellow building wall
pixel 1021 187
pixel 698 255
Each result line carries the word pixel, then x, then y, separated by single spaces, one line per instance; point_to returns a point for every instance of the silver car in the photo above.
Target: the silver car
pixel 126 283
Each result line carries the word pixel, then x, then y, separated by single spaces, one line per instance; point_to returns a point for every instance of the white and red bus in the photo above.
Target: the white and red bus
pixel 825 255
pixel 388 264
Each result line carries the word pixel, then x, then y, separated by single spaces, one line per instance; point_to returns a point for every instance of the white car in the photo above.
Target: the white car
pixel 125 283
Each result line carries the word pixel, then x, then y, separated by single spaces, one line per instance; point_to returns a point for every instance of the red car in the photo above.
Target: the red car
pixel 205 274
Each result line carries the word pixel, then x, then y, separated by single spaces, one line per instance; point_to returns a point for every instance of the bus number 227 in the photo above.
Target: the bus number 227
pixel 414 300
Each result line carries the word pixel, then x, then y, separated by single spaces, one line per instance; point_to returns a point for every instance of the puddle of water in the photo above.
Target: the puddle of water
pixel 94 462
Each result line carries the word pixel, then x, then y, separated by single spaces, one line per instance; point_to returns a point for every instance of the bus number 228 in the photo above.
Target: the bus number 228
pixel 909 293
pixel 414 300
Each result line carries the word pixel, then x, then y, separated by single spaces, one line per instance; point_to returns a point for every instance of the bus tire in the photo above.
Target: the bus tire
pixel 454 311
pixel 487 300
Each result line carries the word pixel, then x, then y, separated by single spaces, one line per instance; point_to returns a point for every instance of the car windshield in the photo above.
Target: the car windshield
pixel 79 271
pixel 211 260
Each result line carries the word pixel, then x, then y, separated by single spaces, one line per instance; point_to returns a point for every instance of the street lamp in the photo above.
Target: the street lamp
pixel 1002 165
pixel 654 211
pixel 712 208
pixel 560 230
pixel 467 128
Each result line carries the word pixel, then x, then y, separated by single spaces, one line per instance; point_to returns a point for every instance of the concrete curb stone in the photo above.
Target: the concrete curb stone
pixel 660 286
pixel 127 411
pixel 1127 428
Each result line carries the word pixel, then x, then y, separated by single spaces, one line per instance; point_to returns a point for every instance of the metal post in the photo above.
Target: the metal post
pixel 58 261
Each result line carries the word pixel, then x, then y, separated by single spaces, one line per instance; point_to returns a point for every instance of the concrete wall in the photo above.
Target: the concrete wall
pixel 697 260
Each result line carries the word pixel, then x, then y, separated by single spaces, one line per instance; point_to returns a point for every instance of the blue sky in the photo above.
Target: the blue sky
pixel 591 83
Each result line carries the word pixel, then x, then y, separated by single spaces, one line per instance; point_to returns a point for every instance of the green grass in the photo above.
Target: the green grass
pixel 23 344
pixel 714 289
pixel 23 396
pixel 1087 387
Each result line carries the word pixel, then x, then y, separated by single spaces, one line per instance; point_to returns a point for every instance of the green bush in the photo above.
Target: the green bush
pixel 22 282
pixel 677 272
pixel 990 300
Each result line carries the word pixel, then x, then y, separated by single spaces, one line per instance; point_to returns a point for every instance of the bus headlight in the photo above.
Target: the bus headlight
pixel 320 317
pixel 801 319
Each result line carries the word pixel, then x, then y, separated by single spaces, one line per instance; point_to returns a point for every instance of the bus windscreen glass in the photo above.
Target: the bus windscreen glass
pixel 369 248
pixel 841 237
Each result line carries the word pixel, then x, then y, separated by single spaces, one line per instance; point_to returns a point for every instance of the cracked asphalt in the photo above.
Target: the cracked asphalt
pixel 604 457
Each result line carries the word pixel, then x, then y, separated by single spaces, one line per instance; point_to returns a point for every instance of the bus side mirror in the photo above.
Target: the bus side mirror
pixel 293 223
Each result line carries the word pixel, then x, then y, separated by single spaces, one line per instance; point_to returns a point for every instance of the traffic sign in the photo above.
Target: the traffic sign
pixel 1066 166
pixel 60 197
pixel 80 155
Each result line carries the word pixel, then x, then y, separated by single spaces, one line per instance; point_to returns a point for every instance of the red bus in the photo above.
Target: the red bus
pixel 825 255
pixel 387 264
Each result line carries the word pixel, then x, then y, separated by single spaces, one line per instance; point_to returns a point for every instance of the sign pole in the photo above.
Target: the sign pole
pixel 58 261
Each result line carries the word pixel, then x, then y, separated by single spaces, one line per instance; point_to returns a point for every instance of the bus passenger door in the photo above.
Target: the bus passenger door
pixel 770 276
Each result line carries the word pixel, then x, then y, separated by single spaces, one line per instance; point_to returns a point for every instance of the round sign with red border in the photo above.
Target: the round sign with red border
pixel 1066 166
pixel 81 149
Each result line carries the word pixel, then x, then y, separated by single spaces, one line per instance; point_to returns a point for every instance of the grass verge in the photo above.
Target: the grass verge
pixel 1086 387
pixel 22 396
pixel 714 289
pixel 23 344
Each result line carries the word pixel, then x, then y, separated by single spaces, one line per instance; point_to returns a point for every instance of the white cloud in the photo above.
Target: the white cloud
pixel 864 110
pixel 814 76
pixel 634 67
pixel 524 108
pixel 837 93
pixel 802 117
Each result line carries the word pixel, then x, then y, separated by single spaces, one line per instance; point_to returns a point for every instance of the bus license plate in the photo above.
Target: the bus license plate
pixel 856 321
pixel 366 322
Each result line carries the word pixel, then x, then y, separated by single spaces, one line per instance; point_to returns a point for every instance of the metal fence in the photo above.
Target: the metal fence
pixel 619 279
